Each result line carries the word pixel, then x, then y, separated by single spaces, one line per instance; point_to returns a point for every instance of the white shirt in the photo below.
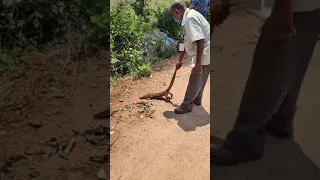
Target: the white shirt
pixel 298 5
pixel 265 11
pixel 195 28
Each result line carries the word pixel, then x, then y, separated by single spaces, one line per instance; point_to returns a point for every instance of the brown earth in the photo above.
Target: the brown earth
pixel 149 140
pixel 50 99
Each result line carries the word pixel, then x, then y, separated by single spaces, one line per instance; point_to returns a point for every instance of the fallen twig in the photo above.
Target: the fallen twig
pixel 115 138
pixel 66 148
pixel 7 87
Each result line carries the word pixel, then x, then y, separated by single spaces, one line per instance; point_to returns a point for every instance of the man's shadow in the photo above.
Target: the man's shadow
pixel 283 160
pixel 190 121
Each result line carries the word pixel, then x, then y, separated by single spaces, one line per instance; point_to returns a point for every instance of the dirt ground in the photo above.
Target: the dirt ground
pixel 150 141
pixel 289 160
pixel 47 127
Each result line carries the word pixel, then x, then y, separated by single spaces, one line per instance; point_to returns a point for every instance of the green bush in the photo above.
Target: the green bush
pixel 144 70
pixel 97 30
pixel 32 25
pixel 128 32
pixel 164 51
pixel 132 50
pixel 166 23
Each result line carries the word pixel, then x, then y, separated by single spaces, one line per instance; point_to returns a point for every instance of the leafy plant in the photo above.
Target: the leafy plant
pixel 166 24
pixel 163 50
pixel 128 32
pixel 32 25
pixel 144 70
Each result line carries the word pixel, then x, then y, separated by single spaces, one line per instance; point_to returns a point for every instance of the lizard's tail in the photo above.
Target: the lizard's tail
pixel 144 96
pixel 172 80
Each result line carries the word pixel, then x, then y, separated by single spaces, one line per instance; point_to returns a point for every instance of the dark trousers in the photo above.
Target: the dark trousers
pixel 195 88
pixel 274 83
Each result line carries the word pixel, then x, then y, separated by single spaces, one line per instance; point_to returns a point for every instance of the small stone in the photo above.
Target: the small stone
pixel 3 166
pixel 141 116
pixel 34 124
pixel 111 132
pixel 101 174
pixel 35 151
pixel 75 175
pixel 59 95
pixel 34 174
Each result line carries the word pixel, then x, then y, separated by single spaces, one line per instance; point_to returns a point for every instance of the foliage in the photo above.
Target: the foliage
pixel 132 24
pixel 139 7
pixel 97 30
pixel 30 25
pixel 166 23
pixel 162 50
pixel 128 32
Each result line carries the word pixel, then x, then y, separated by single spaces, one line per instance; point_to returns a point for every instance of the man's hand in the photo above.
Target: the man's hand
pixel 279 25
pixel 179 63
pixel 197 69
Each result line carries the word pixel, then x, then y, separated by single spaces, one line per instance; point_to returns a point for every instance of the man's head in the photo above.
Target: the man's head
pixel 178 8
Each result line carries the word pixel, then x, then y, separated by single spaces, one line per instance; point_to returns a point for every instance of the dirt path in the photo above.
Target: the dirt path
pixel 297 159
pixel 155 143
pixel 29 142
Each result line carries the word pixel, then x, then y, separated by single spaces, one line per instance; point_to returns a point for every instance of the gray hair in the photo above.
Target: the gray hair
pixel 178 4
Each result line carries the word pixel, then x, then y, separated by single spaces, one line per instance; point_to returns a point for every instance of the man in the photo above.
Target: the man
pixel 196 30
pixel 280 61
pixel 201 6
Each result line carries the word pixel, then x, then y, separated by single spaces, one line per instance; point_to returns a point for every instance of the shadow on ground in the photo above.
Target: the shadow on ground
pixel 283 160
pixel 190 121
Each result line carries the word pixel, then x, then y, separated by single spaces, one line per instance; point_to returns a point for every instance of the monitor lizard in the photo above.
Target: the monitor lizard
pixel 164 94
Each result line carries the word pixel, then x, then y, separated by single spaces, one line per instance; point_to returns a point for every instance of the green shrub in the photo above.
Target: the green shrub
pixel 164 51
pixel 166 23
pixel 32 25
pixel 144 70
pixel 132 51
pixel 139 7
pixel 128 32
pixel 98 29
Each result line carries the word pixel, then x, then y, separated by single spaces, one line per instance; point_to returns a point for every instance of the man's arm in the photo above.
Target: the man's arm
pixel 279 25
pixel 200 47
pixel 181 56
pixel 196 35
